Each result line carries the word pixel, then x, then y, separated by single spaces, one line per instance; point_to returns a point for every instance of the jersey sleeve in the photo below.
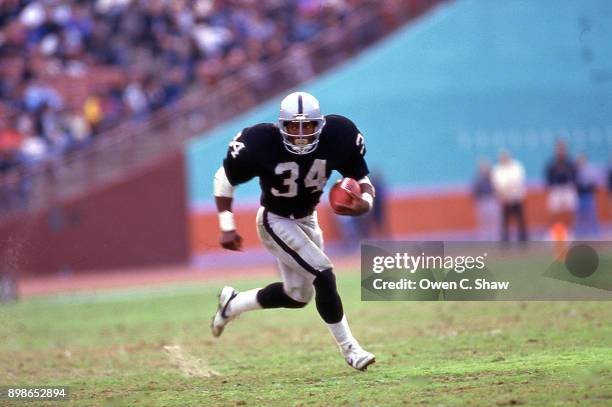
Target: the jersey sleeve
pixel 354 149
pixel 239 163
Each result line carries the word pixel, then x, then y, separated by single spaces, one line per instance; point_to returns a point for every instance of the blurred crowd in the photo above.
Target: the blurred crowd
pixel 71 69
pixel 571 186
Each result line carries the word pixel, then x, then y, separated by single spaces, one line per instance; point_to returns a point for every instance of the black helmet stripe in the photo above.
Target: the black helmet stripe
pixel 300 105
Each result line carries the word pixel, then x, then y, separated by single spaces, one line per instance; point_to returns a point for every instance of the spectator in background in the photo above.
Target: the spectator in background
pixel 10 138
pixel 37 94
pixel 586 186
pixel 135 99
pixel 510 189
pixel 354 229
pixel 78 128
pixel 298 66
pixel 380 223
pixel 487 208
pixel 11 141
pixel 92 111
pixel 8 181
pixel 375 222
pixel 561 184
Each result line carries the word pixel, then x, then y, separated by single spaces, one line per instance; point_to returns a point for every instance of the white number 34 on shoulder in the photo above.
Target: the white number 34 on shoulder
pixel 360 142
pixel 236 145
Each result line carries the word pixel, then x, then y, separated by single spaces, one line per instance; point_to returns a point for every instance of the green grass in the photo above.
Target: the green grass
pixel 109 350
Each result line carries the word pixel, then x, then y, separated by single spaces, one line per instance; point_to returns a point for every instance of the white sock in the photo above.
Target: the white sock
pixel 244 301
pixel 342 334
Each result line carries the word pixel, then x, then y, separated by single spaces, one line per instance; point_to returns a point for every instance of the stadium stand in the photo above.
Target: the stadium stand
pixel 83 81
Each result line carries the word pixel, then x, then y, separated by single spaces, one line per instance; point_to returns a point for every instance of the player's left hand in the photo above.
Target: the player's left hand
pixel 231 240
pixel 357 207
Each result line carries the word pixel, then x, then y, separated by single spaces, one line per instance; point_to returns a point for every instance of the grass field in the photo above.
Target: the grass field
pixel 109 349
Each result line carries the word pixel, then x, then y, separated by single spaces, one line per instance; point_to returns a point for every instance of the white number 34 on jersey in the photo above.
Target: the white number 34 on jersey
pixel 236 145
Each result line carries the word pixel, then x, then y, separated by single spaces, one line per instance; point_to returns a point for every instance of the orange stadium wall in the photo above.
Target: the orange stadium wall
pixel 408 215
pixel 138 221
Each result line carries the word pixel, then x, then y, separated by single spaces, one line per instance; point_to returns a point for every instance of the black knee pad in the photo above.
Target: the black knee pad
pixel 274 296
pixel 291 303
pixel 327 298
pixel 326 280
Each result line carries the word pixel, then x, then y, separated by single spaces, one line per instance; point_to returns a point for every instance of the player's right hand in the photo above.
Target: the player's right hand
pixel 231 240
pixel 357 207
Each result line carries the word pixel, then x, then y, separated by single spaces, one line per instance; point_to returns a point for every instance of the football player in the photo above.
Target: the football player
pixel 293 160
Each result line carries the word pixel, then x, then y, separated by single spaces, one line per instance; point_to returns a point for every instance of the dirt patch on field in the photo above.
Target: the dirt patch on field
pixel 189 365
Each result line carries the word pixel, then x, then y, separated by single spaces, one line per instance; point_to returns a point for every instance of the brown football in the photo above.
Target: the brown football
pixel 339 194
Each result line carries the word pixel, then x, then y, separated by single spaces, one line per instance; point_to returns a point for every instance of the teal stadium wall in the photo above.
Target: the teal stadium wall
pixel 463 82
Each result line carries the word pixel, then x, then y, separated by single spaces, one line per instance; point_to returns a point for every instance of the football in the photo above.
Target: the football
pixel 340 192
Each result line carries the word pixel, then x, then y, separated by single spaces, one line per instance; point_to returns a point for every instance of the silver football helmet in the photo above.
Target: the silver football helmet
pixel 300 122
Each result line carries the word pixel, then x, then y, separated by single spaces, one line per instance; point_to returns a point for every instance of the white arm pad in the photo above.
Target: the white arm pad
pixel 221 185
pixel 226 221
pixel 366 180
pixel 369 198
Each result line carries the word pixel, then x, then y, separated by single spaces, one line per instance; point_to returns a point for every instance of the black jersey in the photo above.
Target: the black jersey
pixel 292 184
